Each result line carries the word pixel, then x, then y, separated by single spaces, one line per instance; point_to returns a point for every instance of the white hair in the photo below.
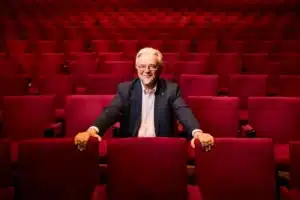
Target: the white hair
pixel 150 50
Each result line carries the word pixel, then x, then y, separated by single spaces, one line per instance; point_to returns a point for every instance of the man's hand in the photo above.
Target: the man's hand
pixel 206 140
pixel 82 138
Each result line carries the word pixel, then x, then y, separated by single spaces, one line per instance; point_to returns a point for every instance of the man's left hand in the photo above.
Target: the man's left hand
pixel 205 139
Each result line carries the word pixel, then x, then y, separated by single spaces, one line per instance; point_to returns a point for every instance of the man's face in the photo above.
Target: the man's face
pixel 148 69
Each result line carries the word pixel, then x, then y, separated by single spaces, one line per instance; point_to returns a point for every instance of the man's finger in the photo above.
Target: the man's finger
pixel 193 143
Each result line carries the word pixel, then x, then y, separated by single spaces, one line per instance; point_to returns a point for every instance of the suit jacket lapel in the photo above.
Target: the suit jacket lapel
pixel 136 106
pixel 159 95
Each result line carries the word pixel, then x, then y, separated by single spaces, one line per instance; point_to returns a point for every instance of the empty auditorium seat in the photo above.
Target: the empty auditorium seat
pixel 237 169
pixel 276 118
pixel 6 173
pixel 80 113
pixel 289 63
pixel 13 85
pixel 50 63
pixel 27 117
pixel 56 169
pixel 217 115
pixel 121 68
pixel 59 85
pixel 289 85
pixel 198 85
pixel 103 84
pixel 225 64
pixel 244 86
pixel 255 63
pixel 160 157
pixel 111 56
pixel 190 67
pixel 46 46
pixel 81 65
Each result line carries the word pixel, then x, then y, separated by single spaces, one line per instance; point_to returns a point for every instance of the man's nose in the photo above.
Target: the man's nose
pixel 147 70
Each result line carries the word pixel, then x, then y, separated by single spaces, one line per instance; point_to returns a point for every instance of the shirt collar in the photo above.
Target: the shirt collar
pixel 147 91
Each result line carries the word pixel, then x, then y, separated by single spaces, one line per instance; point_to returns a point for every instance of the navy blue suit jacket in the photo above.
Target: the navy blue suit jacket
pixel 126 107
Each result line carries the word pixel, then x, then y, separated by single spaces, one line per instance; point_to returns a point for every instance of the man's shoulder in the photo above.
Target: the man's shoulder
pixel 125 86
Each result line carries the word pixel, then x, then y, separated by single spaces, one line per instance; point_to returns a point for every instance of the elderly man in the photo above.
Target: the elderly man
pixel 147 107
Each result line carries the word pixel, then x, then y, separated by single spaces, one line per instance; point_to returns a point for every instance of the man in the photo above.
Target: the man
pixel 147 107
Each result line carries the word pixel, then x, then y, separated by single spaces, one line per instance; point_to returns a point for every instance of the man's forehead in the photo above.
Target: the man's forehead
pixel 147 58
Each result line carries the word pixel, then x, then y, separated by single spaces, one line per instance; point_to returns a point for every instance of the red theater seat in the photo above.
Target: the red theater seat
pixel 81 111
pixel 55 169
pixel 50 63
pixel 237 169
pixel 120 68
pixel 276 118
pixel 137 155
pixel 198 85
pixel 244 86
pixel 27 117
pixel 190 67
pixel 225 64
pixel 13 85
pixel 103 84
pixel 59 85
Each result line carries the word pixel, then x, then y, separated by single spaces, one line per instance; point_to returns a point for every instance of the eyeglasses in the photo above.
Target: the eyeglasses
pixel 150 67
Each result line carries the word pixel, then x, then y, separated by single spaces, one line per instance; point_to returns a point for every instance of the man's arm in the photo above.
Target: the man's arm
pixel 110 114
pixel 184 114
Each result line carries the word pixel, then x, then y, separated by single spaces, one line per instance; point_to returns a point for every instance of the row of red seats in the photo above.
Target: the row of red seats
pixel 248 172
pixel 47 17
pixel 25 117
pixel 176 64
pixel 242 86
pixel 146 33
pixel 129 47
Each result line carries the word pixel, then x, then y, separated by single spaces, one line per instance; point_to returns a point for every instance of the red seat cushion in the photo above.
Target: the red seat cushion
pixel 282 155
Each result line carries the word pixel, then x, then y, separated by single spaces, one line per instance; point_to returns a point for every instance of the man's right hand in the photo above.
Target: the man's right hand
pixel 81 139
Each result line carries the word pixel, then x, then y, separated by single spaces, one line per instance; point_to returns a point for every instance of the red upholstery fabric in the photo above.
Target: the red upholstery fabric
pixel 104 84
pixel 289 85
pixel 120 68
pixel 82 110
pixel 274 117
pixel 198 85
pixel 217 115
pixel 49 63
pixel 237 169
pixel 244 86
pixel 58 85
pixel 13 85
pixel 56 169
pixel 27 116
pixel 225 64
pixel 190 67
pixel 152 168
